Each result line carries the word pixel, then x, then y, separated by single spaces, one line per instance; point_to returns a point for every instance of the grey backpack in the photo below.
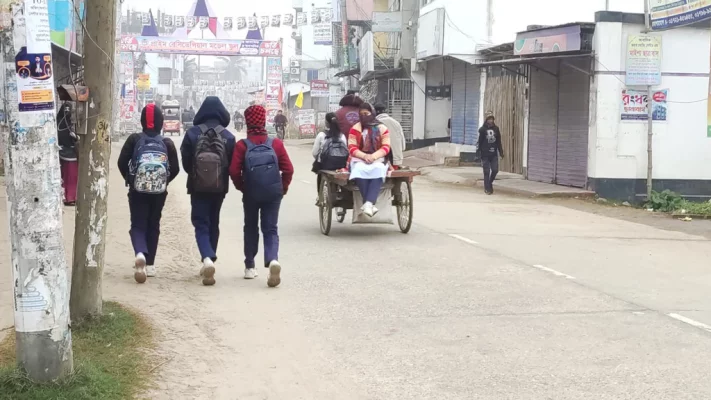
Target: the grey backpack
pixel 210 162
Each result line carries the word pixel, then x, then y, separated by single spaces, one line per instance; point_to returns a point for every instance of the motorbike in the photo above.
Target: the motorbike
pixel 281 131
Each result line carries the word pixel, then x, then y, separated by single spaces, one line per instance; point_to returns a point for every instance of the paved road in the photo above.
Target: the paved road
pixel 489 297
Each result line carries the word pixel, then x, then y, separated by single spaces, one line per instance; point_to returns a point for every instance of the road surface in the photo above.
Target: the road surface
pixel 489 297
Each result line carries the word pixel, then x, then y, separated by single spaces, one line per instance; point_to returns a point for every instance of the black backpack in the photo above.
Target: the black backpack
pixel 210 162
pixel 334 155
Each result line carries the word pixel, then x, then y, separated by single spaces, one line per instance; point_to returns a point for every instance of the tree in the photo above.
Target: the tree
pixel 94 156
pixel 234 68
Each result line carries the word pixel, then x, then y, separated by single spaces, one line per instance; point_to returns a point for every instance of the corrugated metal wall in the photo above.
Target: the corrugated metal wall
pixel 471 121
pixel 459 101
pixel 543 123
pixel 573 119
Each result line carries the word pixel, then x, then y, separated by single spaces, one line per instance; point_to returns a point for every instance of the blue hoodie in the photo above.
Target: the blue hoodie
pixel 212 113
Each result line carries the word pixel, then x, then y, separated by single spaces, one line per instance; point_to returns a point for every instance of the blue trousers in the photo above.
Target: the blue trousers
pixel 268 213
pixel 369 189
pixel 206 220
pixel 146 211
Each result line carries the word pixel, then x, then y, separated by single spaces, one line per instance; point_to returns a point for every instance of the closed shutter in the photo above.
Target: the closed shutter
pixel 573 116
pixel 471 121
pixel 543 123
pixel 459 93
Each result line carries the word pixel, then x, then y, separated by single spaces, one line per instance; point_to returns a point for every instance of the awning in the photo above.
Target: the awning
pixel 381 74
pixel 75 58
pixel 348 72
pixel 467 58
pixel 530 60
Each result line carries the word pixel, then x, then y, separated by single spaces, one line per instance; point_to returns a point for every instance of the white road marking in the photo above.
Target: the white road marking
pixel 306 182
pixel 552 271
pixel 463 239
pixel 691 322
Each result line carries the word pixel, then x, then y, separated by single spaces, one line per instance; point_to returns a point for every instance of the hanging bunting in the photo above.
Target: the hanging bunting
pixel 227 24
pixel 180 21
pixel 168 21
pixel 263 22
pixel 145 18
pixel 241 23
pixel 252 23
pixel 276 21
pixel 315 16
pixel 301 19
pixel 204 22
pixel 288 20
pixel 326 15
pixel 191 22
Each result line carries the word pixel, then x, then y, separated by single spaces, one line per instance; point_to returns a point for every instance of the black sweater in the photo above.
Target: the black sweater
pixel 127 153
pixel 490 141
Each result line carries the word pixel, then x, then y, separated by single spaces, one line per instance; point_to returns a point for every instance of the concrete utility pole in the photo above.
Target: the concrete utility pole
pixel 650 115
pixel 94 157
pixel 34 195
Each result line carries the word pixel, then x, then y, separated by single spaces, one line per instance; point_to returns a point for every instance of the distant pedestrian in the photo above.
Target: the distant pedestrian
pixel 397 135
pixel 491 149
pixel 262 170
pixel 148 163
pixel 206 151
pixel 68 161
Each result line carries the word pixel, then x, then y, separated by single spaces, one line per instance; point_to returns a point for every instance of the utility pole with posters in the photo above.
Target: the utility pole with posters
pixel 34 194
pixel 94 159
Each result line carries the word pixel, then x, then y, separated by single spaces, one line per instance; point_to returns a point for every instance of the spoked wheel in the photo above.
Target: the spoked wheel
pixel 340 215
pixel 404 208
pixel 325 208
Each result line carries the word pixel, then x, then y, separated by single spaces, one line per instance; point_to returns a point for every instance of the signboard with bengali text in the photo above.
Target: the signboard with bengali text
pixel 205 47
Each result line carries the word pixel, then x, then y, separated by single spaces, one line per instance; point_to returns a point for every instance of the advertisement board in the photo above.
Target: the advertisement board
pixel 665 14
pixel 644 60
pixel 307 123
pixel 319 88
pixel 634 105
pixel 205 47
pixel 272 97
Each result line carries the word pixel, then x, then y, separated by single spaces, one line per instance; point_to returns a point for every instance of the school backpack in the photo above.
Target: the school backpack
pixel 210 161
pixel 334 155
pixel 149 172
pixel 262 178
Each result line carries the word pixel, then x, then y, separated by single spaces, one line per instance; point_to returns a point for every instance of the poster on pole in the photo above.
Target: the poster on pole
pixel 644 60
pixel 635 102
pixel 272 97
pixel 307 123
pixel 323 34
pixel 666 14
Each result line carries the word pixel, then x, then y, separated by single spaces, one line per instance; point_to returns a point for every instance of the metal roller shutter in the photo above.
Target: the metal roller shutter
pixel 543 123
pixel 459 93
pixel 573 115
pixel 471 121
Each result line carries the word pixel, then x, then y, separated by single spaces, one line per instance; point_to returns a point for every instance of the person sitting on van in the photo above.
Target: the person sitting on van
pixel 369 146
pixel 330 149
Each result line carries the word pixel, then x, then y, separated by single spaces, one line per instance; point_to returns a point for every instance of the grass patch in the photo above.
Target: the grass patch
pixel 110 361
pixel 696 208
pixel 670 202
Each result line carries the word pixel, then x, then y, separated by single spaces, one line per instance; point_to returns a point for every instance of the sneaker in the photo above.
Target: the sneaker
pixel 250 273
pixel 274 278
pixel 151 271
pixel 139 268
pixel 208 272
pixel 368 209
pixel 375 210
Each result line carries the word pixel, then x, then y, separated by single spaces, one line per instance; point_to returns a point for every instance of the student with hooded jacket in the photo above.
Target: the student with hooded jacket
pixel 206 205
pixel 146 208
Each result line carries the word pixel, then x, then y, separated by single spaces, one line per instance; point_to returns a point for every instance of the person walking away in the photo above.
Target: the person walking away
pixel 262 171
pixel 68 161
pixel 148 163
pixel 348 115
pixel 369 145
pixel 491 149
pixel 330 149
pixel 397 135
pixel 206 151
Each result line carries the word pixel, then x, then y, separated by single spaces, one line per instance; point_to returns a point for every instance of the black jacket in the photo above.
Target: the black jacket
pixel 490 141
pixel 212 113
pixel 127 154
pixel 65 137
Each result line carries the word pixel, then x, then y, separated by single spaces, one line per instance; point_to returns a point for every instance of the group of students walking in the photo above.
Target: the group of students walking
pixel 258 166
